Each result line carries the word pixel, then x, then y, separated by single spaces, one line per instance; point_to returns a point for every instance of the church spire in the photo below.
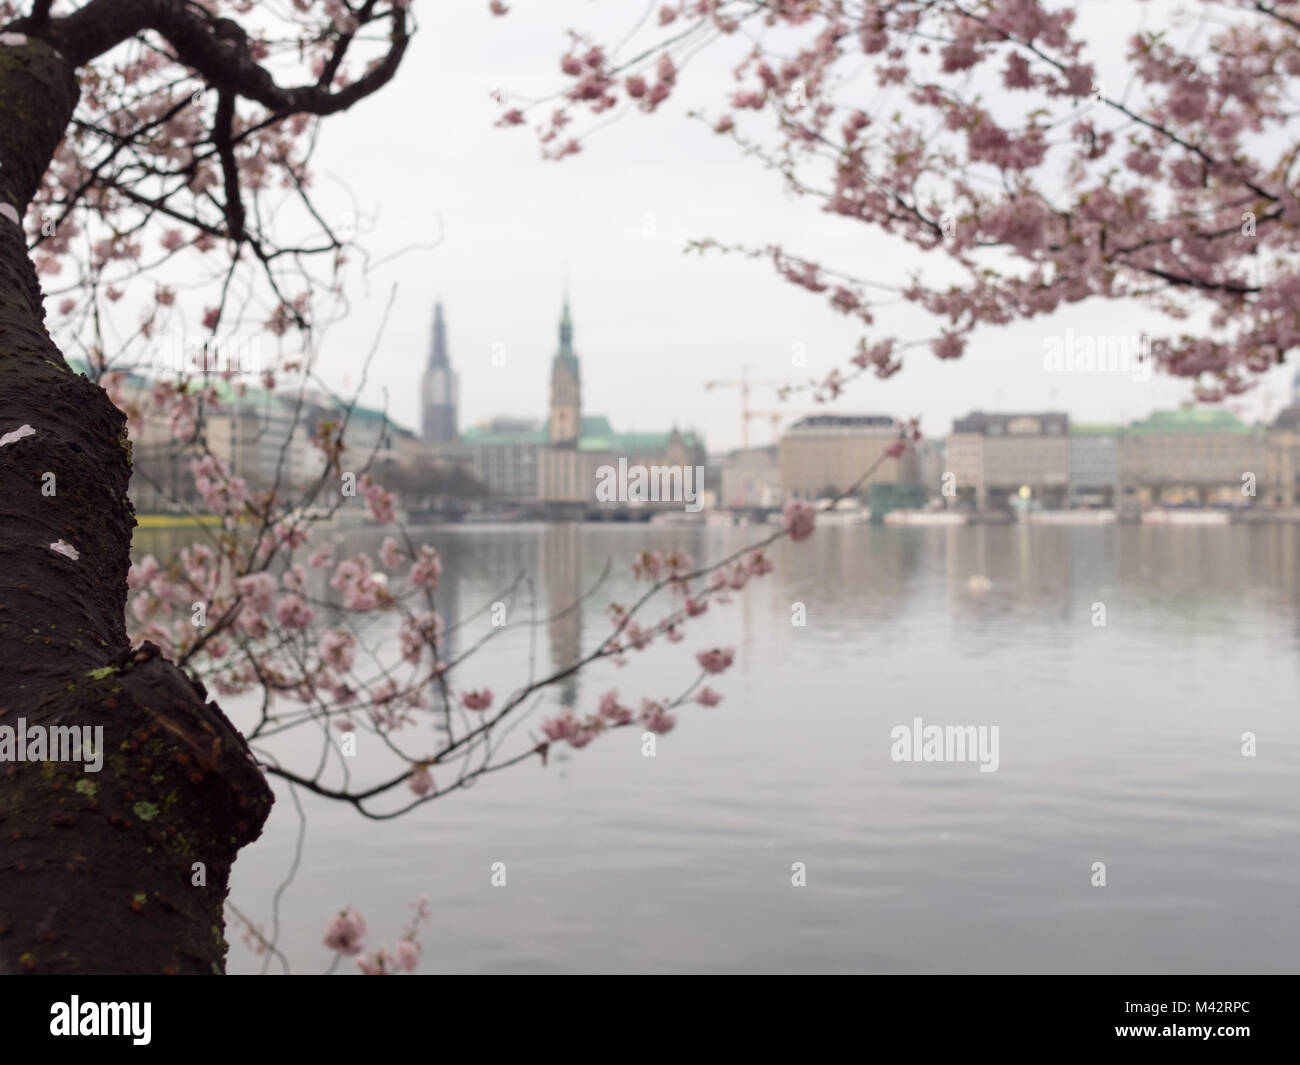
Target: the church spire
pixel 439 388
pixel 566 352
pixel 438 352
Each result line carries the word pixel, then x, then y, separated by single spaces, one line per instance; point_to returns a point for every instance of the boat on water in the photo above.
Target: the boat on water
pixel 678 517
pixel 845 512
pixel 1071 517
pixel 927 517
pixel 1188 516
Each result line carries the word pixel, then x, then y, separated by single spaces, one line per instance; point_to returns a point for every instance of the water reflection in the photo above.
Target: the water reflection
pixel 1119 743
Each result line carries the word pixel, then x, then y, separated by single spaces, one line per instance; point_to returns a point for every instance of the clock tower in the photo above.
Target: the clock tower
pixel 566 389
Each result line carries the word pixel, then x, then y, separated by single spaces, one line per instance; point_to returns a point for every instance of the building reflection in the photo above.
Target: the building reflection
pixel 559 551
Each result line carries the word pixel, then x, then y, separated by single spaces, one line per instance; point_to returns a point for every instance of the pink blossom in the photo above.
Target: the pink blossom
pixel 407 953
pixel 655 718
pixel 637 637
pixel 380 963
pixel 378 499
pixel 337 649
pixel 257 591
pixel 798 518
pixel 417 633
pixel 949 345
pixel 611 711
pixel 477 700
pixel 345 932
pixel 293 613
pixel 561 728
pixel 708 697
pixel 420 781
pixel 426 569
pixel 390 554
pixel 716 660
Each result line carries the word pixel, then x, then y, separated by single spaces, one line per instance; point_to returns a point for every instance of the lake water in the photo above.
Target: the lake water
pixel 1119 744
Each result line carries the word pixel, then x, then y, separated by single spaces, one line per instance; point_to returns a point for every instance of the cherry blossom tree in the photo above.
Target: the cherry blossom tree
pixel 135 132
pixel 985 133
pixel 152 139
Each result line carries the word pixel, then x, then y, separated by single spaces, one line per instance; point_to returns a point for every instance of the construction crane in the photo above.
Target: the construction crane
pixel 773 416
pixel 744 384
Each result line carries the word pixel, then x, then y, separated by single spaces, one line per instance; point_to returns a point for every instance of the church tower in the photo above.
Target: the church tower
pixel 439 389
pixel 566 389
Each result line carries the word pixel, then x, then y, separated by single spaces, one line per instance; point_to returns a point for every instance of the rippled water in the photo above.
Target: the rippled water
pixel 1119 744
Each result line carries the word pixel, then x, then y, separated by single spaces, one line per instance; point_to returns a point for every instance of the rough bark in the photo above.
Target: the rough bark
pixel 97 870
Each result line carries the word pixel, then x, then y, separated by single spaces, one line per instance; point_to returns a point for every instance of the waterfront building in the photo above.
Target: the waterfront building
pixel 557 461
pixel 1284 451
pixel 930 466
pixel 995 457
pixel 503 454
pixel 751 477
pixel 577 446
pixel 1094 465
pixel 822 455
pixel 1194 457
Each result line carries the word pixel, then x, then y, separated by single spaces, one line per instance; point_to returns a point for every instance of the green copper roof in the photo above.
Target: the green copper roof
pixel 597 435
pixel 593 425
pixel 1190 421
pixel 653 441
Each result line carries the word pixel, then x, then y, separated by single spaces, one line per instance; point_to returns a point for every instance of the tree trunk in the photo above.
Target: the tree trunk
pixel 125 869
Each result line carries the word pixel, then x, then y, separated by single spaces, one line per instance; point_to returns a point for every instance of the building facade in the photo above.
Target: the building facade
pixel 997 457
pixel 1193 457
pixel 1284 437
pixel 579 446
pixel 751 477
pixel 1094 465
pixel 823 455
pixel 503 453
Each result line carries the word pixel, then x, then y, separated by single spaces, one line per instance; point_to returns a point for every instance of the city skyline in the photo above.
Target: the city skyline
pixel 657 324
pixel 1270 399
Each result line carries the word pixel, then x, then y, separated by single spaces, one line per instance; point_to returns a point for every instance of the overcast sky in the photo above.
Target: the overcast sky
pixel 651 324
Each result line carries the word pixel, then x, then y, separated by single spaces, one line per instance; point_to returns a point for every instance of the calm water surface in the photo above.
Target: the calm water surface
pixel 1119 744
